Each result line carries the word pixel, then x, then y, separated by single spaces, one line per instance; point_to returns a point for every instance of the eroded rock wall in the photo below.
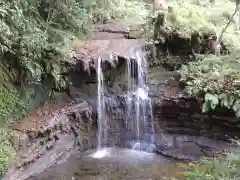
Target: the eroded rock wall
pixel 50 138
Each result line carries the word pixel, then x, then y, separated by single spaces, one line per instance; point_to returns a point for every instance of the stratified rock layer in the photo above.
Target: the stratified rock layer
pixel 49 136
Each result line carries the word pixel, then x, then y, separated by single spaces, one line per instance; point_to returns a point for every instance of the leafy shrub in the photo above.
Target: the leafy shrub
pixel 35 36
pixel 6 149
pixel 215 81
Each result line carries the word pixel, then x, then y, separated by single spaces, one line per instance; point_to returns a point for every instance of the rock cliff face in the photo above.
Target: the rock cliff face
pixel 181 131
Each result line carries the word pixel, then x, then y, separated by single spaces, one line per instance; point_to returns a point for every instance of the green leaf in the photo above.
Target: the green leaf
pixel 189 83
pixel 209 97
pixel 222 98
pixel 231 100
pixel 205 107
pixel 214 104
pixel 186 173
pixel 237 114
pixel 227 100
pixel 212 100
pixel 236 106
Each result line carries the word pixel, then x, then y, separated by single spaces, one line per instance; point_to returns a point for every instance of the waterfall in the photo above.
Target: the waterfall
pixel 139 120
pixel 139 111
pixel 101 108
pixel 101 113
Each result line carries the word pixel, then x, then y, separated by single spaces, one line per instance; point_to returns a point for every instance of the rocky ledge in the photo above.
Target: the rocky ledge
pixel 49 136
pixel 108 41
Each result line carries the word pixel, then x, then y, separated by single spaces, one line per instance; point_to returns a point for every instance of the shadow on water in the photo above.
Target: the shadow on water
pixel 116 164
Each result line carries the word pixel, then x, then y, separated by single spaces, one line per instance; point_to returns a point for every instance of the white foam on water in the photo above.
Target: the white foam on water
pixel 142 94
pixel 100 154
pixel 136 146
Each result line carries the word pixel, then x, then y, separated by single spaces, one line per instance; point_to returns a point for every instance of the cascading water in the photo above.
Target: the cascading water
pixel 101 112
pixel 139 112
pixel 139 109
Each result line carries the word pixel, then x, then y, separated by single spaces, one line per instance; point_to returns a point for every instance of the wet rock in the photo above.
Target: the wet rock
pixel 107 41
pixel 175 117
pixel 55 131
pixel 87 52
pixel 186 147
pixel 182 132
pixel 141 146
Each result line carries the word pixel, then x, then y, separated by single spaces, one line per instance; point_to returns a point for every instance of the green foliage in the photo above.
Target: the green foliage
pixel 35 36
pixel 6 150
pixel 225 167
pixel 104 10
pixel 14 101
pixel 13 104
pixel 203 16
pixel 215 81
